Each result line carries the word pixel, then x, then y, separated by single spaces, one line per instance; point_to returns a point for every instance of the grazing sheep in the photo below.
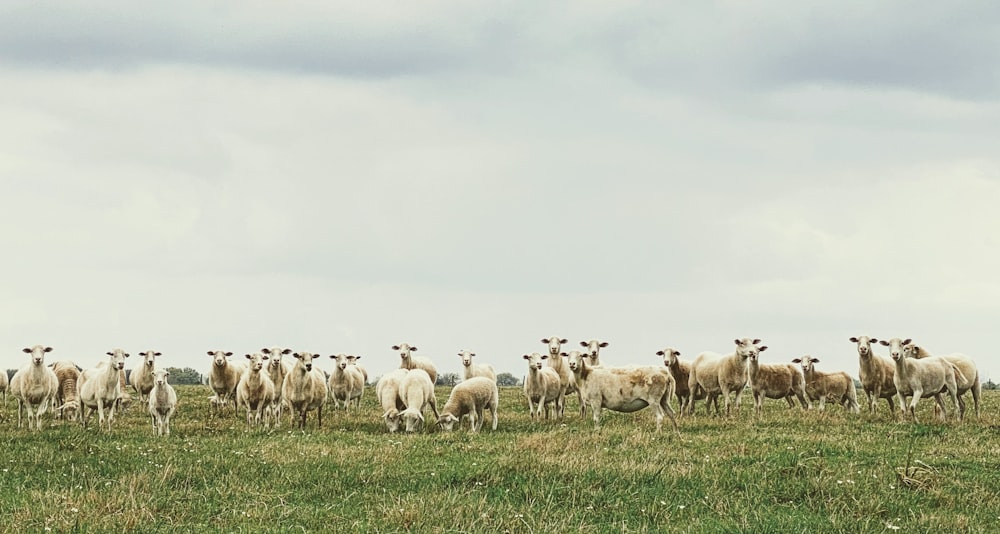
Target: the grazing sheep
pixel 255 391
pixel 387 391
pixel 417 392
pixel 409 361
pixel 304 388
pixel 542 386
pixel 680 370
pixel 593 351
pixel 776 381
pixel 566 377
pixel 346 383
pixel 224 376
pixel 718 374
pixel 623 389
pixel 821 385
pixel 470 397
pixel 470 369
pixel 277 369
pixel 100 387
pixel 352 359
pixel 162 402
pixel 142 378
pixel 68 375
pixel 875 373
pixel 35 387
pixel 966 379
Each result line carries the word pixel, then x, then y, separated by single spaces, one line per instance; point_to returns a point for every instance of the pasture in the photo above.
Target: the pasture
pixel 787 471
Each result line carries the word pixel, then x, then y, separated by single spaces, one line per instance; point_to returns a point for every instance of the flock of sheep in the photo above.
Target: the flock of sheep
pixel 265 385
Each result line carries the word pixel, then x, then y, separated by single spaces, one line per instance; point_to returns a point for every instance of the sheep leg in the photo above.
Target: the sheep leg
pixel 917 394
pixel 472 421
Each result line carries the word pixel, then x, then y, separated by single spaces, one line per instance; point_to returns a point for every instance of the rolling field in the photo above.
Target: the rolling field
pixel 787 471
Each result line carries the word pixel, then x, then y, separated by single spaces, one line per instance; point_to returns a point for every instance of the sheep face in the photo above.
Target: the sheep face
pixel 447 422
pixel 391 420
pixel 306 358
pixel 342 360
pixel 219 357
pixel 37 354
pixel 535 360
pixel 160 377
pixel 69 410
pixel 670 356
pixel 274 354
pixel 149 358
pixel 864 345
pixel 896 347
pixel 748 348
pixel 807 363
pixel 353 359
pixel 593 347
pixel 256 361
pixel 412 420
pixel 118 358
pixel 555 344
pixel 575 360
pixel 404 350
pixel 466 357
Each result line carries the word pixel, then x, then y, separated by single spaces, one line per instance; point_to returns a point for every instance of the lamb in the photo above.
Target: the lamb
pixel 718 374
pixel 680 370
pixel 566 378
pixel 304 388
pixel 966 379
pixel 387 391
pixel 776 381
pixel 255 391
pixel 35 387
pixel 346 383
pixel 875 373
pixel 415 362
pixel 162 402
pixel 470 397
pixel 417 392
pixel 624 389
pixel 593 351
pixel 68 375
pixel 277 369
pixel 99 389
pixel 820 385
pixel 470 369
pixel 224 376
pixel 142 378
pixel 542 386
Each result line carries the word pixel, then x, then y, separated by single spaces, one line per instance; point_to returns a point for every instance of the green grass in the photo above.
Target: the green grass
pixel 785 472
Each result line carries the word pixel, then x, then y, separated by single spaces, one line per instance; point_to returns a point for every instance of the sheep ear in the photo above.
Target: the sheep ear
pixel 563 354
pixel 756 341
pixel 545 340
pixel 583 343
pixel 814 360
pixel 210 353
pixel 248 356
pixel 297 356
pixel 286 351
pixel 677 352
pixel 660 353
pixel 907 341
pixel 884 342
pixel 762 348
pixel 526 357
pixel 738 342
pixel 333 355
pixel 413 349
pixel 110 353
pixel 357 357
pixel 157 354
pixel 48 349
pixel 797 360
pixel 602 344
pixel 855 340
pixel 266 350
pixel 228 354
pixel 563 341
pixel 27 350
pixel 873 340
pixel 545 356
pixel 395 347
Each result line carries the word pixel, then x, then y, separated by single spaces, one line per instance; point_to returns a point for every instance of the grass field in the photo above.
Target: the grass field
pixel 788 471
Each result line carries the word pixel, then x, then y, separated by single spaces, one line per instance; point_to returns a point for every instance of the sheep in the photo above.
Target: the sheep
pixel 569 385
pixel 820 385
pixel 417 392
pixel 68 375
pixel 353 360
pixel 162 402
pixel 966 378
pixel 717 374
pixel 470 397
pixel 304 388
pixel 4 385
pixel 346 382
pixel 593 351
pixel 255 391
pixel 776 381
pixel 470 369
pixel 35 387
pixel 542 386
pixel 875 373
pixel 623 389
pixel 277 369
pixel 124 400
pixel 224 376
pixel 387 391
pixel 919 378
pixel 415 362
pixel 680 370
pixel 142 378
pixel 100 387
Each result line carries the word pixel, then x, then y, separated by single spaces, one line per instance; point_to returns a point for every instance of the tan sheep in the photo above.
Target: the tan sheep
pixel 99 389
pixel 277 369
pixel 542 386
pixel 255 391
pixel 470 397
pixel 223 377
pixel 470 369
pixel 920 378
pixel 680 370
pixel 593 351
pixel 717 374
pixel 408 361
pixel 162 402
pixel 821 385
pixel 346 382
pixel 776 381
pixel 387 391
pixel 966 377
pixel 35 387
pixel 304 388
pixel 68 375
pixel 875 373
pixel 417 392
pixel 141 378
pixel 566 377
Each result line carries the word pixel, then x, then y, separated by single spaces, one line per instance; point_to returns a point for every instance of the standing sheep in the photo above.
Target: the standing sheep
pixel 470 369
pixel 566 377
pixel 142 377
pixel 470 397
pixel 68 375
pixel 542 386
pixel 821 385
pixel 277 369
pixel 387 391
pixel 255 391
pixel 966 379
pixel 304 388
pixel 35 387
pixel 875 373
pixel 417 392
pixel 4 385
pixel 680 370
pixel 593 351
pixel 919 378
pixel 776 381
pixel 162 402
pixel 346 383
pixel 99 389
pixel 718 374
pixel 408 361
pixel 352 359
pixel 224 377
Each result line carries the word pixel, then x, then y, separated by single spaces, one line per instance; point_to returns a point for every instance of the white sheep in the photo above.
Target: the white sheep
pixel 470 369
pixel 162 402
pixel 346 382
pixel 417 392
pixel 255 391
pixel 875 373
pixel 966 375
pixel 776 381
pixel 542 386
pixel 623 389
pixel 680 370
pixel 224 376
pixel 99 388
pixel 821 385
pixel 352 359
pixel 387 391
pixel 4 385
pixel 408 361
pixel 35 387
pixel 470 397
pixel 141 378
pixel 593 351
pixel 566 378
pixel 277 369
pixel 68 375
pixel 717 374
pixel 304 388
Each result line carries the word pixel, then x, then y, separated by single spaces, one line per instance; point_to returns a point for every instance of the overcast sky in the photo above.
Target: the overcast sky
pixel 342 177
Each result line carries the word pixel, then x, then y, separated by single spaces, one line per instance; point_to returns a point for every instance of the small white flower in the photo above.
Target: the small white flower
pixel 681 506
pixel 74 510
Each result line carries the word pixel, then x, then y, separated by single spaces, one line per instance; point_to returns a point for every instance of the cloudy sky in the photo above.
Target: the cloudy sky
pixel 342 177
